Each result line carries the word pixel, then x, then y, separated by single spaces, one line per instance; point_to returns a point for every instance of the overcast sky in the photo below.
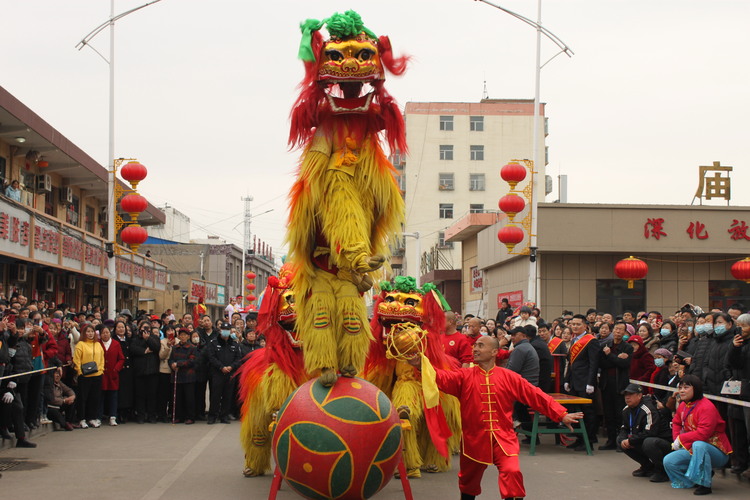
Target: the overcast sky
pixel 204 89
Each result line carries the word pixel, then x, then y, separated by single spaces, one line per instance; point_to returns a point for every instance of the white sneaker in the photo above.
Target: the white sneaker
pixel 96 423
pixel 83 424
pixel 45 420
pixel 112 421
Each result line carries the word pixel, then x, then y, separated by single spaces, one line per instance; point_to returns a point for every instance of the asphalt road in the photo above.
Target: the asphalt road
pixel 162 461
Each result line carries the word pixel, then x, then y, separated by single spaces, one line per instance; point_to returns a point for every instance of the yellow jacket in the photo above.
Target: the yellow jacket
pixel 87 351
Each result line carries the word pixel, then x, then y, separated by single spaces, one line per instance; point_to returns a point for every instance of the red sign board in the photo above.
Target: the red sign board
pixel 515 298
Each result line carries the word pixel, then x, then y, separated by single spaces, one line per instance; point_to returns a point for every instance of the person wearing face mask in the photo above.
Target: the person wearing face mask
pixel 715 369
pixel 661 376
pixel 224 357
pixel 668 335
pixel 704 328
pixel 201 374
pixel 144 349
pixel 182 363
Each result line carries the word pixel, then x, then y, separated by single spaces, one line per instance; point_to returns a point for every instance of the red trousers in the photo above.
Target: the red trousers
pixel 510 479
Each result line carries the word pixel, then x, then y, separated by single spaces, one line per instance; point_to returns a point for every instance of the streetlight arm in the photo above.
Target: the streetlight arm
pixel 554 38
pixel 92 34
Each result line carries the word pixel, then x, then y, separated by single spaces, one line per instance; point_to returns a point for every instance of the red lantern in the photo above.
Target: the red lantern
pixel 133 172
pixel 513 173
pixel 741 270
pixel 250 286
pixel 251 275
pixel 42 164
pixel 134 236
pixel 631 269
pixel 511 204
pixel 510 236
pixel 250 297
pixel 134 204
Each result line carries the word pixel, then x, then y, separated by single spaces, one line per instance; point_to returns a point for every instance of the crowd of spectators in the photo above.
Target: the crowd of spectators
pixel 647 376
pixel 77 370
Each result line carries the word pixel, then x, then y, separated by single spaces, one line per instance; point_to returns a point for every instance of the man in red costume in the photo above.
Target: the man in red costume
pixel 487 393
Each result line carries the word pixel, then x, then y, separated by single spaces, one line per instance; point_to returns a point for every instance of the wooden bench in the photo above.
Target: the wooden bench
pixel 563 399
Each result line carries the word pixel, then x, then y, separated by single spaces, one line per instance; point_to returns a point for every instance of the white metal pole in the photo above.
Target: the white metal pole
pixel 111 264
pixel 419 259
pixel 532 294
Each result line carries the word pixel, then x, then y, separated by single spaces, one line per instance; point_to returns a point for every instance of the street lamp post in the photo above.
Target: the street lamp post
pixel 111 264
pixel 415 235
pixel 564 49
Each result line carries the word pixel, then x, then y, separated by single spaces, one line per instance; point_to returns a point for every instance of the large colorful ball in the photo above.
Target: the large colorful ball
pixel 341 442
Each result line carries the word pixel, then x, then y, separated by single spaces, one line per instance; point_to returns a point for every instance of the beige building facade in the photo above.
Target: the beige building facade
pixel 689 251
pixel 456 151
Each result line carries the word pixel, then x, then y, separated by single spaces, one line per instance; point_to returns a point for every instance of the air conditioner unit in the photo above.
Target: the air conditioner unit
pixel 29 180
pixel 128 295
pixel 66 195
pixel 70 282
pixel 49 282
pixel 21 273
pixel 44 183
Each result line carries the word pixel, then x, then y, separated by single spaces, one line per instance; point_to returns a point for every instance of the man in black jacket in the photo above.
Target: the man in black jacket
pixel 545 358
pixel 144 351
pixel 207 333
pixel 645 436
pixel 224 357
pixel 614 363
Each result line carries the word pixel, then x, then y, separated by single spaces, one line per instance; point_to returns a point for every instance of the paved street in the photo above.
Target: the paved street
pixel 161 461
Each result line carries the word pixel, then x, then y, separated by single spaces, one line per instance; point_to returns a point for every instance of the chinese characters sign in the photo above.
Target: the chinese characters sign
pixel 477 278
pixel 656 228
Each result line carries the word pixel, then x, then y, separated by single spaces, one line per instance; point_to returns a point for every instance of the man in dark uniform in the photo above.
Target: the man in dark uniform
pixel 224 357
pixel 583 365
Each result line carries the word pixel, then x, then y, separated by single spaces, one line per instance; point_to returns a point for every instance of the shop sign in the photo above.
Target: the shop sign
pixel 477 280
pixel 657 228
pixel 514 298
pixel 14 231
pixel 207 291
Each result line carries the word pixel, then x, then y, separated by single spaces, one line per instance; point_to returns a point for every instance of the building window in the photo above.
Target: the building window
pixel 89 219
pixel 614 295
pixel 446 152
pixel 441 241
pixel 476 123
pixel 476 182
pixel 446 182
pixel 446 123
pixel 446 210
pixel 477 153
pixel 722 294
pixel 476 208
pixel 401 180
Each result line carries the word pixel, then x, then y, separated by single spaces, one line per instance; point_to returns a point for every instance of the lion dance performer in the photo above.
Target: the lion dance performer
pixel 345 205
pixel 401 309
pixel 272 373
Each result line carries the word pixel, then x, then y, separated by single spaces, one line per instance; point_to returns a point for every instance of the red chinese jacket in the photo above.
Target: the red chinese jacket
pixel 700 421
pixel 487 407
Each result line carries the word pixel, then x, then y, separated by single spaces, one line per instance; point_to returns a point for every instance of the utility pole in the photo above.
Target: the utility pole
pixel 245 243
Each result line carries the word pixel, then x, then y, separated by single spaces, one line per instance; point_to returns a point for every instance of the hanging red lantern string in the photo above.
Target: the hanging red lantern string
pixel 134 236
pixel 511 204
pixel 741 270
pixel 510 236
pixel 134 204
pixel 631 269
pixel 513 173
pixel 250 275
pixel 133 172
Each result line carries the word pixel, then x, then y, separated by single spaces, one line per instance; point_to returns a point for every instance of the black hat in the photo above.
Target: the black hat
pixel 633 389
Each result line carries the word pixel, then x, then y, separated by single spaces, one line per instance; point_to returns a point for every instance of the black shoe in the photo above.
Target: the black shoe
pixel 152 420
pixel 200 418
pixel 737 469
pixel 608 446
pixel 574 444
pixel 25 443
pixel 702 490
pixel 466 496
pixel 659 477
pixel 641 472
pixel 4 434
pixel 224 420
pixel 580 447
pixel 211 420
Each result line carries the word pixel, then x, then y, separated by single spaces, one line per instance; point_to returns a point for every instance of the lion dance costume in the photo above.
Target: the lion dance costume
pixel 345 205
pixel 272 373
pixel 434 418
